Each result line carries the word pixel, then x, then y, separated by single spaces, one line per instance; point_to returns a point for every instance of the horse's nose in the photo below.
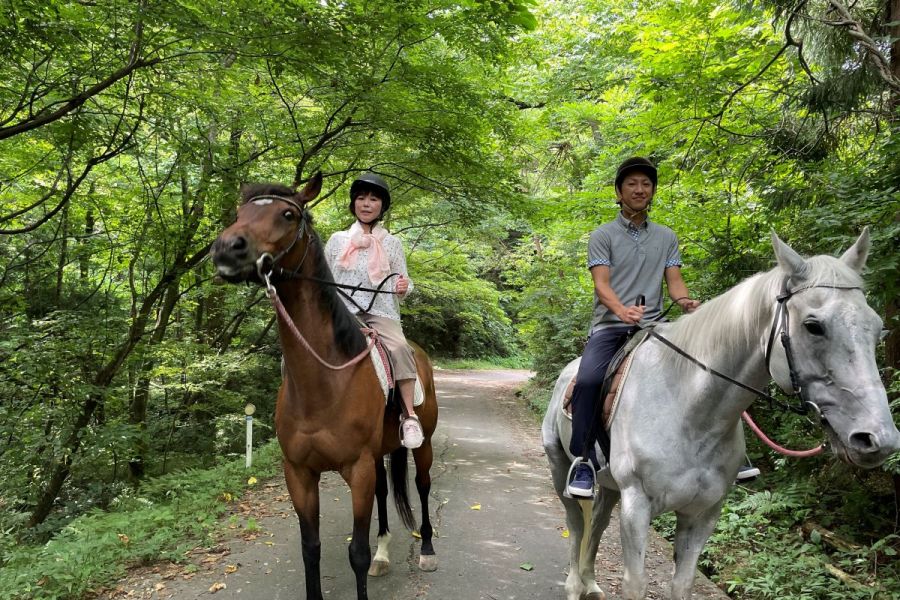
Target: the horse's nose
pixel 867 442
pixel 234 246
pixel 864 441
pixel 238 244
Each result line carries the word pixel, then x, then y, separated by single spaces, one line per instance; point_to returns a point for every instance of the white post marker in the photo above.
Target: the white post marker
pixel 249 410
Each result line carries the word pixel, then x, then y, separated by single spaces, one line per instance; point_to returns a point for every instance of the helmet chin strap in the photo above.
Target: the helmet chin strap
pixel 369 223
pixel 630 214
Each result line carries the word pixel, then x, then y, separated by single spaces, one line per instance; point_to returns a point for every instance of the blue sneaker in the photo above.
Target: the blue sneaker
pixel 582 484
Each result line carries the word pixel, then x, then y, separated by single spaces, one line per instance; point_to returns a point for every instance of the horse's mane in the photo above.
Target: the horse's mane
pixel 347 336
pixel 735 318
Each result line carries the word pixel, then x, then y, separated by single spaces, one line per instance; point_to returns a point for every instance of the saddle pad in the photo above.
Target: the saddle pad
pixel 381 370
pixel 610 402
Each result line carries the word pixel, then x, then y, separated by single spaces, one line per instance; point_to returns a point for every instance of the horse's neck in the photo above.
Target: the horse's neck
pixel 727 335
pixel 302 300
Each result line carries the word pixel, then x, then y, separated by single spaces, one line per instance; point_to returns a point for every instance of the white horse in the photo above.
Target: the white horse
pixel 677 441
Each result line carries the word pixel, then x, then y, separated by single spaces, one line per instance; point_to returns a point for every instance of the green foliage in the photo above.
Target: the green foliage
pixel 454 313
pixel 168 517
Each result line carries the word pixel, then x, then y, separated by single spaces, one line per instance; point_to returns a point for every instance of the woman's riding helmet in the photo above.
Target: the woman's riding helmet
pixel 370 182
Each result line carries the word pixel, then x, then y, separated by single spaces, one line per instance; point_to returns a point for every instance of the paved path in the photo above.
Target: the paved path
pixel 494 510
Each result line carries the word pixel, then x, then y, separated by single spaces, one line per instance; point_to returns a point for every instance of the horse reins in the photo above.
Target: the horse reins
pixel 278 270
pixel 780 321
pixel 266 266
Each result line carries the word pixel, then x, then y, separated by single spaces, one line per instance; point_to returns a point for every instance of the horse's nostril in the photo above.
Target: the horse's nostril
pixel 864 441
pixel 238 242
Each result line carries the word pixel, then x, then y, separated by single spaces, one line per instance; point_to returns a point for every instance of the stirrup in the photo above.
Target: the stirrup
pixel 577 461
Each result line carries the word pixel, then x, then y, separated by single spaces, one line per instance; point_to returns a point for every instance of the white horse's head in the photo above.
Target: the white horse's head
pixel 833 335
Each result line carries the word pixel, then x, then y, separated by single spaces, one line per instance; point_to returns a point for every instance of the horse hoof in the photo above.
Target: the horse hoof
pixel 595 596
pixel 428 562
pixel 379 568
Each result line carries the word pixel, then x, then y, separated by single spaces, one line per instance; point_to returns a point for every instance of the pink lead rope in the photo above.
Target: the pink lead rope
pixel 781 450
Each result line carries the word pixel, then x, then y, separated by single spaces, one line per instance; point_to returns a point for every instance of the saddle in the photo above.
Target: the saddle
pixel 616 373
pixel 384 369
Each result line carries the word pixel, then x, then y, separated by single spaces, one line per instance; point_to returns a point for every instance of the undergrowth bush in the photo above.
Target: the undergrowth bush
pixel 167 517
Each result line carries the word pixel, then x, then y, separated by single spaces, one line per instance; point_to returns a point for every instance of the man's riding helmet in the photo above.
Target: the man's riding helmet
pixel 635 163
pixel 370 182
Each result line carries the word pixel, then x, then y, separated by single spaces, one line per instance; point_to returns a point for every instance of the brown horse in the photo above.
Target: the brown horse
pixel 331 414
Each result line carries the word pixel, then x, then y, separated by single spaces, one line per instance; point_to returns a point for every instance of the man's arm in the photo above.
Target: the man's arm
pixel 628 314
pixel 678 291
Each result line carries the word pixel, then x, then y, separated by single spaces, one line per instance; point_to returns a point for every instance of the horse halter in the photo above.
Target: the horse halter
pixel 266 263
pixel 781 321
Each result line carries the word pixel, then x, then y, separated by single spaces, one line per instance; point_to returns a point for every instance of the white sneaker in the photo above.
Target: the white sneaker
pixel 747 473
pixel 411 434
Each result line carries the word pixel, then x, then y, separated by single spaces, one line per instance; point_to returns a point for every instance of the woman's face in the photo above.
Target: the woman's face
pixel 367 207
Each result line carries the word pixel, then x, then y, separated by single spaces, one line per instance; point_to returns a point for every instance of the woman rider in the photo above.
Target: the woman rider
pixel 365 255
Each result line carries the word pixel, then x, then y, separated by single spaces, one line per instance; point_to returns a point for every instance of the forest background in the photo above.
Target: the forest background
pixel 127 127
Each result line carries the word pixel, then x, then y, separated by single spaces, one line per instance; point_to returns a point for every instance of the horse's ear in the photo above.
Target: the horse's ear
pixel 245 192
pixel 856 255
pixel 789 261
pixel 310 190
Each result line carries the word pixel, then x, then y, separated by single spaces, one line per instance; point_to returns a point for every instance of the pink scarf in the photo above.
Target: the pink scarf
pixel 379 266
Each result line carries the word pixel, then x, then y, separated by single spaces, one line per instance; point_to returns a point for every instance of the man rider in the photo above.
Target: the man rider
pixel 628 258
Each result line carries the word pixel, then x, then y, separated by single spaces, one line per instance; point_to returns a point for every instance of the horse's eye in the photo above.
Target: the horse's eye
pixel 289 215
pixel 814 327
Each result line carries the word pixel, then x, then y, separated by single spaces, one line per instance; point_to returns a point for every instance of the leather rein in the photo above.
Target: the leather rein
pixel 268 266
pixel 780 322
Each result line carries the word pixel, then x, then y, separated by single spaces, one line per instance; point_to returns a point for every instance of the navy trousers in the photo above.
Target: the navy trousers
pixel 586 406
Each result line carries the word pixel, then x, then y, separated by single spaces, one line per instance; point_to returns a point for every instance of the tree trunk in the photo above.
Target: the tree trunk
pixel 62 468
pixel 138 409
pixel 84 262
pixel 63 255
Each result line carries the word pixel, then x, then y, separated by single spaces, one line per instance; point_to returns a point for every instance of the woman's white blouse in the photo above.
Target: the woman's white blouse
pixel 385 305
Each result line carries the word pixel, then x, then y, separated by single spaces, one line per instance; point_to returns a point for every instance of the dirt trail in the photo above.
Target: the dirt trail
pixel 500 526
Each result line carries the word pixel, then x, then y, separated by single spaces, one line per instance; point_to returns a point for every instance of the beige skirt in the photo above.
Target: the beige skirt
pixel 391 334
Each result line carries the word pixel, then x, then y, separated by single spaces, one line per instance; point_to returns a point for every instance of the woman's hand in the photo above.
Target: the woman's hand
pixel 402 285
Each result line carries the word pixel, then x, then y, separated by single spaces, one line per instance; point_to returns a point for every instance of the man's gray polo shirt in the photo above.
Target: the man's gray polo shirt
pixel 637 258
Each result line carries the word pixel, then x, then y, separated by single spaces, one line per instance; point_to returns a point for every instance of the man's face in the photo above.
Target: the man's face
pixel 636 192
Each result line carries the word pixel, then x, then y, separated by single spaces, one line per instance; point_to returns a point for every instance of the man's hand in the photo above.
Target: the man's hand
pixel 402 285
pixel 632 315
pixel 688 305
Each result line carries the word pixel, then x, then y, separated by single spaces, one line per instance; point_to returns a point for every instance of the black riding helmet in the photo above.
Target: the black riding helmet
pixel 635 163
pixel 370 182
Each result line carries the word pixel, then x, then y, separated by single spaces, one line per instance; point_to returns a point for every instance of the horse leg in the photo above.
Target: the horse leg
pixel 424 457
pixel 362 492
pixel 381 564
pixel 575 517
pixel 602 509
pixel 691 533
pixel 303 486
pixel 635 523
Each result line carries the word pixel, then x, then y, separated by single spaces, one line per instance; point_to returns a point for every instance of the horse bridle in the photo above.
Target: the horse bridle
pixel 267 265
pixel 781 321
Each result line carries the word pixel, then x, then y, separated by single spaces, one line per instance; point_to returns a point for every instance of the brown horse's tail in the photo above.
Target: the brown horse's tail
pixel 400 487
